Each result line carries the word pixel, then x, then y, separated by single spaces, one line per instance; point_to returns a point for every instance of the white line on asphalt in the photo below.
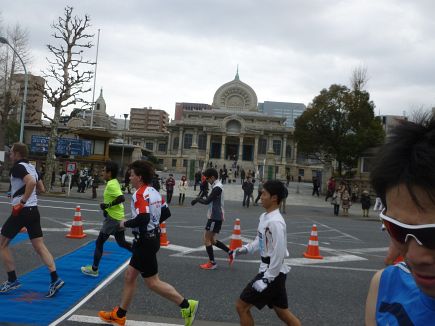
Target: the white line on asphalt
pixel 91 294
pixel 366 250
pixel 97 320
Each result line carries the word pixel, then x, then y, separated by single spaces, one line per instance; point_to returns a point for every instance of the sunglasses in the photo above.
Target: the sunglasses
pixel 424 234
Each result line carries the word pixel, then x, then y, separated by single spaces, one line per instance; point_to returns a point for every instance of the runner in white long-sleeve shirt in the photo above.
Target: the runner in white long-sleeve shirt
pixel 268 286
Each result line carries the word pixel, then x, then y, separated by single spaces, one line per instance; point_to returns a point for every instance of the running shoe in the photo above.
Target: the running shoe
pixel 54 287
pixel 9 286
pixel 189 313
pixel 87 270
pixel 112 317
pixel 208 265
pixel 231 257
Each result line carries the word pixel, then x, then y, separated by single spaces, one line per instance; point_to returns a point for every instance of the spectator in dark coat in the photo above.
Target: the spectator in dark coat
pixel 365 203
pixel 248 189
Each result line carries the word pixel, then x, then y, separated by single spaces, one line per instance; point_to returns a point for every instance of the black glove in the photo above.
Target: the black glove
pixel 103 206
pixel 193 202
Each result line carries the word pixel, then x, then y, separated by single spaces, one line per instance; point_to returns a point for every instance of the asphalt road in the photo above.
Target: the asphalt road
pixel 331 291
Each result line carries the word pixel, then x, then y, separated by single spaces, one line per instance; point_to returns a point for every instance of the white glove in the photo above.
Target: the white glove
pixel 260 285
pixel 241 251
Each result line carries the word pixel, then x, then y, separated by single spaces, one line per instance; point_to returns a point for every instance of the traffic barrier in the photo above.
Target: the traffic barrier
pixel 76 231
pixel 163 236
pixel 313 251
pixel 236 238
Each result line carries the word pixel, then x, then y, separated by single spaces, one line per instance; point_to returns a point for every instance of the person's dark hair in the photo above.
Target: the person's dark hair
pixel 112 167
pixel 144 169
pixel 211 172
pixel 407 158
pixel 21 149
pixel 276 187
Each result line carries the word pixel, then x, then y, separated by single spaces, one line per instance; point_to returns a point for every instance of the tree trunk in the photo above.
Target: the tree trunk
pixel 51 157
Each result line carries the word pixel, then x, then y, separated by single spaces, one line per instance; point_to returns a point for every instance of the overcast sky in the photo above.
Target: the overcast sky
pixel 156 53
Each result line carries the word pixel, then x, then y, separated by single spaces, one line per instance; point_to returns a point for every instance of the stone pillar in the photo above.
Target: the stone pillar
pixel 256 150
pixel 240 157
pixel 284 150
pixel 270 144
pixel 295 153
pixel 195 139
pixel 224 138
pixel 207 148
pixel 180 141
pixel 169 145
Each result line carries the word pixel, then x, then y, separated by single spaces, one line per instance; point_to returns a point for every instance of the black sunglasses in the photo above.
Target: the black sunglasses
pixel 424 234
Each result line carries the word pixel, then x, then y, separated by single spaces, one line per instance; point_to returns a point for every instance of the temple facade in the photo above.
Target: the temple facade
pixel 229 132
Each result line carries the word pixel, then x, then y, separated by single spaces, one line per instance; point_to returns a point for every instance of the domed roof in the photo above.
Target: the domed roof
pixel 235 95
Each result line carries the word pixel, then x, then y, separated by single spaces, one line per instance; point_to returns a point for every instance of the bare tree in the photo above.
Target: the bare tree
pixel 67 75
pixel 359 78
pixel 10 65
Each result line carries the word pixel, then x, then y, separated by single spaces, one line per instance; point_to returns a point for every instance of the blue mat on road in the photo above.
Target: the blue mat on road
pixel 20 237
pixel 28 304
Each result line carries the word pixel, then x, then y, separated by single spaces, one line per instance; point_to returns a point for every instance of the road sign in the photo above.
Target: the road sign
pixel 71 167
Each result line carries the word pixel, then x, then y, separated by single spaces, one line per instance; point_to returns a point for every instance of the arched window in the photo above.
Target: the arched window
pixel 98 106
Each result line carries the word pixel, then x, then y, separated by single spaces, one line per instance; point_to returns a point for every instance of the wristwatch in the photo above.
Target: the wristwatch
pixel 265 280
pixel 23 202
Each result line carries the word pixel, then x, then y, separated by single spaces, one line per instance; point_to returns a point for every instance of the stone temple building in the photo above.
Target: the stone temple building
pixel 231 131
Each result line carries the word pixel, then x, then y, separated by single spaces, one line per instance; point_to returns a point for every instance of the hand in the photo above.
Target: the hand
pixel 16 209
pixel 260 285
pixel 193 202
pixel 103 206
pixel 241 251
pixel 121 224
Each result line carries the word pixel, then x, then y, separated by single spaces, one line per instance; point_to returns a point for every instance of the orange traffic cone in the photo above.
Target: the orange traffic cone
pixel 313 251
pixel 76 231
pixel 236 238
pixel 163 237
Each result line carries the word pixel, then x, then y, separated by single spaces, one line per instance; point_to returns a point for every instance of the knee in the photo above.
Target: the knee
pixel 129 277
pixel 152 283
pixel 241 307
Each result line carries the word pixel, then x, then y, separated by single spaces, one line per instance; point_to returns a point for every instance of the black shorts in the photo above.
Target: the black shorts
pixel 275 295
pixel 29 218
pixel 144 257
pixel 213 226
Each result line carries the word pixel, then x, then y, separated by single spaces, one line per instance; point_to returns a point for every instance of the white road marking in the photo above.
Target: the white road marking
pixel 97 320
pixel 91 294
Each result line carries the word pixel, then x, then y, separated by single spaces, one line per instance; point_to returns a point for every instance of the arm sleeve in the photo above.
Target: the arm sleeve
pixel 253 246
pixel 118 200
pixel 141 219
pixel 19 171
pixel 216 192
pixel 278 253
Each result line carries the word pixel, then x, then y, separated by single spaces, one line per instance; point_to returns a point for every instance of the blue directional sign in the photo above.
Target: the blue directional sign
pixel 65 146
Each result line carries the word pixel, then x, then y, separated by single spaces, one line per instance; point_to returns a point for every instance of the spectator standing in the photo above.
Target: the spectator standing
pixel 259 191
pixel 169 185
pixel 330 188
pixel 335 201
pixel 182 188
pixel 315 187
pixel 127 180
pixel 248 189
pixel 345 201
pixel 203 188
pixel 197 179
pixel 95 184
pixel 365 203
pixel 242 176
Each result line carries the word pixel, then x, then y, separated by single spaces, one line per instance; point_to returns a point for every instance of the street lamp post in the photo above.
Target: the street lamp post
pixel 26 81
pixel 123 141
